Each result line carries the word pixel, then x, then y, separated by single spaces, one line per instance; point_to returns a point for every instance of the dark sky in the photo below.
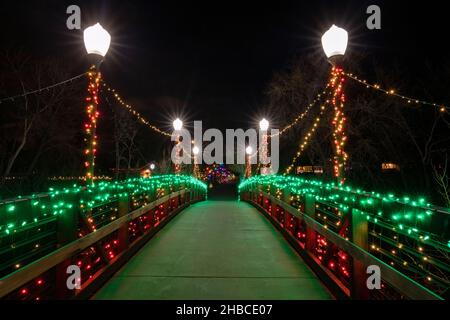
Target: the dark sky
pixel 214 58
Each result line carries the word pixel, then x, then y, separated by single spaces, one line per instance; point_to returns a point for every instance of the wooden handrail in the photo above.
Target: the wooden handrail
pixel 396 279
pixel 20 277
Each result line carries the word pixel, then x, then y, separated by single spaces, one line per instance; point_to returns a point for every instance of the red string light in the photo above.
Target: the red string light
pixel 91 125
pixel 339 136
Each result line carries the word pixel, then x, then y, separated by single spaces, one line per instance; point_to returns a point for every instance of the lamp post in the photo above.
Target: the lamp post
pixel 97 41
pixel 248 166
pixel 264 148
pixel 196 171
pixel 334 43
pixel 177 126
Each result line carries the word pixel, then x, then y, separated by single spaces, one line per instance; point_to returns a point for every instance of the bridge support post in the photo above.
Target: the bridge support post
pixel 66 232
pixel 360 230
pixel 310 210
pixel 123 209
pixel 286 199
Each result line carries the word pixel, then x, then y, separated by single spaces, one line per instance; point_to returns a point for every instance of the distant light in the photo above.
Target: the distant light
pixel 96 40
pixel 334 41
pixel 264 124
pixel 152 166
pixel 249 150
pixel 390 166
pixel 195 150
pixel 177 124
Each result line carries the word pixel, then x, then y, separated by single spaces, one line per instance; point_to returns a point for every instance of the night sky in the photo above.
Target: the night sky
pixel 211 60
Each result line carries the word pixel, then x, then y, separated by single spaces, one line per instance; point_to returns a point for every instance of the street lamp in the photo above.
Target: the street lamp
pixel 152 166
pixel 334 43
pixel 264 124
pixel 177 124
pixel 97 41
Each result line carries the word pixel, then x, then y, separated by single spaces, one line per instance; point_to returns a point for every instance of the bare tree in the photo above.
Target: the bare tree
pixel 126 129
pixel 35 123
pixel 442 179
pixel 380 128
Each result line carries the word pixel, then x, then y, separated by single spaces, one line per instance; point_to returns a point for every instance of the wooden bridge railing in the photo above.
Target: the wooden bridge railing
pixel 341 231
pixel 95 229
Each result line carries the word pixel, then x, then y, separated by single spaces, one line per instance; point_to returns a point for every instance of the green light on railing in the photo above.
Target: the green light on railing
pixel 11 208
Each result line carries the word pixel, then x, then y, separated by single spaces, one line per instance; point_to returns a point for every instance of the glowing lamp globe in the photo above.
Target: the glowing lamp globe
pixel 264 124
pixel 152 166
pixel 334 41
pixel 177 124
pixel 195 150
pixel 249 150
pixel 96 40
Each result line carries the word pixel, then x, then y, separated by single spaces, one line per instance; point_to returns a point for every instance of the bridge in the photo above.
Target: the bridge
pixel 164 237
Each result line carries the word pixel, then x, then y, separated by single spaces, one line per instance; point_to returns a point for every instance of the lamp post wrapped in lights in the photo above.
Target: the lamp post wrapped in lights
pixel 248 166
pixel 264 148
pixel 177 126
pixel 96 41
pixel 334 43
pixel 196 171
